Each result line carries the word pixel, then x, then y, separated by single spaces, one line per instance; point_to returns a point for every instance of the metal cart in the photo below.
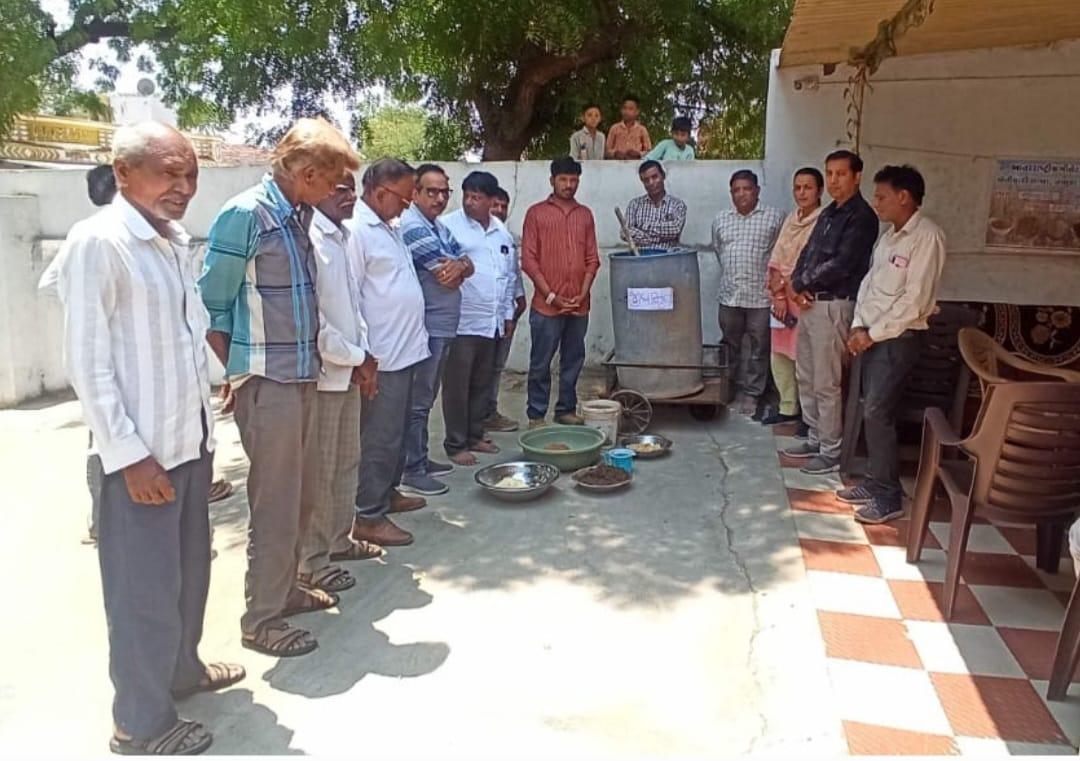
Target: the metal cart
pixel 704 405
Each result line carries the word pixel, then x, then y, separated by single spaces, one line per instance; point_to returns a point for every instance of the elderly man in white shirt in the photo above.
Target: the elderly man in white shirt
pixel 135 355
pixel 487 314
pixel 896 298
pixel 348 371
pixel 392 304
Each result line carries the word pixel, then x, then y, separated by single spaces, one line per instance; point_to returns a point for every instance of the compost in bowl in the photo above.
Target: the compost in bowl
pixel 567 447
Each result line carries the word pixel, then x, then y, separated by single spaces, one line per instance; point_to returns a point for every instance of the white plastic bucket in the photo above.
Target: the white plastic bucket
pixel 603 415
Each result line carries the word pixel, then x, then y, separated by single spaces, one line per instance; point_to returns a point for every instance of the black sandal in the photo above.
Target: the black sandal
pixel 332 580
pixel 314 599
pixel 218 677
pixel 184 738
pixel 280 640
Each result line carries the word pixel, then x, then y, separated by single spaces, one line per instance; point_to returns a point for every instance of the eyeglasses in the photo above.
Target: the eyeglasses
pixel 437 192
pixel 403 199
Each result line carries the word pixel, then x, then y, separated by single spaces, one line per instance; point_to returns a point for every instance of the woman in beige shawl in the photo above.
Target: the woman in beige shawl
pixel 806 187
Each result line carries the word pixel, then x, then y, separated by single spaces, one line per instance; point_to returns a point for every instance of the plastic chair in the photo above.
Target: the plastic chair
pixel 1021 464
pixel 987 358
pixel 1068 649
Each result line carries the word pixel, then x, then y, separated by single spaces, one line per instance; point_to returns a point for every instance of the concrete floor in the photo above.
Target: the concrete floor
pixel 669 620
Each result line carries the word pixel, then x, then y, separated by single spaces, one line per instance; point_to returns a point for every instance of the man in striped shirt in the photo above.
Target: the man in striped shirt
pixel 135 355
pixel 258 284
pixel 560 256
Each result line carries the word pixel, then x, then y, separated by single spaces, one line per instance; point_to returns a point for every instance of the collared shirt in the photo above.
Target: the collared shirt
pixel 837 256
pixel 391 299
pixel 585 146
pixel 743 244
pixel 428 243
pixel 487 296
pixel 899 291
pixel 654 224
pixel 623 138
pixel 666 150
pixel 134 338
pixel 258 283
pixel 342 331
pixel 558 242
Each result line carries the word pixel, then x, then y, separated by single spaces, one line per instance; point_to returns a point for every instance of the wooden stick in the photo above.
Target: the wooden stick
pixel 626 232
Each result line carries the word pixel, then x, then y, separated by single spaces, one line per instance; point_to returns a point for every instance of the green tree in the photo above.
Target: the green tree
pixel 409 132
pixel 509 75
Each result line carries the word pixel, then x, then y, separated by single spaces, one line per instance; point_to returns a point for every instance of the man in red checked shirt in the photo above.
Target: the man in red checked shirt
pixel 559 255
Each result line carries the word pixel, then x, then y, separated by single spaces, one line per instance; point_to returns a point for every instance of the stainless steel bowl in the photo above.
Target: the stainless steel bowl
pixel 539 475
pixel 646 438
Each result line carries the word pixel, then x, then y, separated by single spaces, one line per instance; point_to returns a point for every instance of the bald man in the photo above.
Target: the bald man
pixel 135 355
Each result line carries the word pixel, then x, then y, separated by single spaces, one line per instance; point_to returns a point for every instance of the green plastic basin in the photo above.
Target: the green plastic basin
pixel 584 443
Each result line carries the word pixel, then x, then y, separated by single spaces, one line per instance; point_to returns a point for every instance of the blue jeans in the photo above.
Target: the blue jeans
pixel 424 390
pixel 566 335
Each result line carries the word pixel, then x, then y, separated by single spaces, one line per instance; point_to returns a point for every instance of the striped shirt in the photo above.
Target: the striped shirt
pixel 558 241
pixel 134 338
pixel 428 243
pixel 653 224
pixel 258 283
pixel 743 244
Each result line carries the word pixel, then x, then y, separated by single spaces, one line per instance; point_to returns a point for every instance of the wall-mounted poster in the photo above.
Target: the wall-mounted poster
pixel 1035 205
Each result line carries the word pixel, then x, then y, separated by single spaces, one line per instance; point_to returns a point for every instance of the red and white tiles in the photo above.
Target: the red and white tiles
pixel 905 681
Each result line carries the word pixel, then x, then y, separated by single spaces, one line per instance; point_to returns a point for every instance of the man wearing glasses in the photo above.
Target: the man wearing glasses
pixel 392 304
pixel 441 268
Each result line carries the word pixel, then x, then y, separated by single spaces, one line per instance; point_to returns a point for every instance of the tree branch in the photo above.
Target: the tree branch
pixel 83 33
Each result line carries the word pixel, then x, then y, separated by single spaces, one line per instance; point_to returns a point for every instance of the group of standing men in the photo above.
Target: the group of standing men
pixel 337 317
pixel 820 286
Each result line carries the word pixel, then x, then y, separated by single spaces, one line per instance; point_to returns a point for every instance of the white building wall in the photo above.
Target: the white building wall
pixel 950 115
pixel 37 207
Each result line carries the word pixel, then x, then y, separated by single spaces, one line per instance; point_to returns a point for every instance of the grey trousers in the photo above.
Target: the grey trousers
pixel 750 376
pixel 277 430
pixel 155 573
pixel 466 393
pixel 885 370
pixel 337 441
pixel 502 354
pixel 382 442
pixel 819 368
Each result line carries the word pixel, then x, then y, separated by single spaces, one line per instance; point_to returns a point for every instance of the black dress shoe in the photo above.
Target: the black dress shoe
pixel 775 418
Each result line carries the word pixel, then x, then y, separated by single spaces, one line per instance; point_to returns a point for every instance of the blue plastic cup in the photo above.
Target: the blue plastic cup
pixel 620 458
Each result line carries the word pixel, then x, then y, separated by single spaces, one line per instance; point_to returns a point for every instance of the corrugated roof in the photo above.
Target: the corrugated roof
pixel 826 31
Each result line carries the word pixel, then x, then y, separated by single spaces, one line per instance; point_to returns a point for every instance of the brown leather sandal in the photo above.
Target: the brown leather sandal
pixel 184 738
pixel 280 640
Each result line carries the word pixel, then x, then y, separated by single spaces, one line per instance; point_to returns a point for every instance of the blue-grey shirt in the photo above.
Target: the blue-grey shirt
pixel 429 242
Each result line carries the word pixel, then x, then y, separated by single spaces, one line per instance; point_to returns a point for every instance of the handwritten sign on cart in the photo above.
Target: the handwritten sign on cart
pixel 650 299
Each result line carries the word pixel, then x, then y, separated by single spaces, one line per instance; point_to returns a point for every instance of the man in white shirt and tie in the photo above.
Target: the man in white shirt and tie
pixel 487 314
pixel 135 354
pixel 348 371
pixel 392 304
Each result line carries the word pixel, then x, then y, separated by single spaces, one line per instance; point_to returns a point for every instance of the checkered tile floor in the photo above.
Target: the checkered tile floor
pixel 905 681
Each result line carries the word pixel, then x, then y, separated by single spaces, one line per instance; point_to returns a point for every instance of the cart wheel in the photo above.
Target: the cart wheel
pixel 704 412
pixel 636 411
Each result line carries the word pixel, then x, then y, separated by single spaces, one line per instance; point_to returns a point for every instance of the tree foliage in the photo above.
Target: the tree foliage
pixel 508 76
pixel 410 132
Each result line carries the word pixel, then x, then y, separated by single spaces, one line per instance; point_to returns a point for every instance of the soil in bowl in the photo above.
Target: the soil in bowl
pixel 557 447
pixel 603 475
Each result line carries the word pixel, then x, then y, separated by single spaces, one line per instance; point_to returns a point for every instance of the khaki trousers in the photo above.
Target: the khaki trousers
pixel 337 437
pixel 277 430
pixel 819 367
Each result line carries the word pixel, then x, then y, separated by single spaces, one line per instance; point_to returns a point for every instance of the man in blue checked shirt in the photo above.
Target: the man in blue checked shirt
pixel 258 284
pixel 441 269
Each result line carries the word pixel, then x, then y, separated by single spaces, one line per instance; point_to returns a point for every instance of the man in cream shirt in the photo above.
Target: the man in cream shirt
pixel 348 371
pixel 895 300
pixel 392 303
